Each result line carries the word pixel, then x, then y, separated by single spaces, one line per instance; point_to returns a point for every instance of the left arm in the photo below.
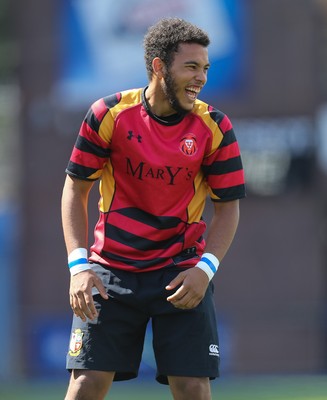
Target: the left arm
pixel 222 228
pixel 194 281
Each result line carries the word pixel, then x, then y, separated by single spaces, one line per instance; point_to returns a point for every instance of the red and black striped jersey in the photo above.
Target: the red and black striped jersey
pixel 155 176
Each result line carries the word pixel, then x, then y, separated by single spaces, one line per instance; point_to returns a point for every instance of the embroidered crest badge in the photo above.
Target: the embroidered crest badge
pixel 188 145
pixel 76 343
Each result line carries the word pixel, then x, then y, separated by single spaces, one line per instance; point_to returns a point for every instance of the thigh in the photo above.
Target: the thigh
pixel 114 340
pixel 186 341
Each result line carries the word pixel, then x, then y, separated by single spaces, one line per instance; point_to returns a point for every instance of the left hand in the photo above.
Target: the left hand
pixel 193 285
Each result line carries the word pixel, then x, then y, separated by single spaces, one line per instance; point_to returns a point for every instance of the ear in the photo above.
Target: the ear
pixel 157 66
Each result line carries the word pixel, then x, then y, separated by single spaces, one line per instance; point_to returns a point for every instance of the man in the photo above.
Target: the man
pixel 158 152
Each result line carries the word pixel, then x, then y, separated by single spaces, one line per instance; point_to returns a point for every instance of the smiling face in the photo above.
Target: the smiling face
pixel 183 80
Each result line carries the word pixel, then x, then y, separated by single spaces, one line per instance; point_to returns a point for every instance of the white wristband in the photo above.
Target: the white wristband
pixel 209 264
pixel 77 261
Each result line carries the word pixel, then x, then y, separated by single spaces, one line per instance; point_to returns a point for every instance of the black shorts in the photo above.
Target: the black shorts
pixel 185 342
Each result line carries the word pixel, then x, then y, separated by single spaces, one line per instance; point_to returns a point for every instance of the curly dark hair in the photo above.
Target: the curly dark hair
pixel 163 38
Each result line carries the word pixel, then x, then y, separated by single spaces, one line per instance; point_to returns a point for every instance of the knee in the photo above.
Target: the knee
pixel 190 388
pixel 88 385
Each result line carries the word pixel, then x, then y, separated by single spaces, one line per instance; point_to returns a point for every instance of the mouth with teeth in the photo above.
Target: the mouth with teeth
pixel 192 92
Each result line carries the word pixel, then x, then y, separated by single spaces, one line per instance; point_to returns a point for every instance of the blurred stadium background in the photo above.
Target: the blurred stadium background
pixel 269 74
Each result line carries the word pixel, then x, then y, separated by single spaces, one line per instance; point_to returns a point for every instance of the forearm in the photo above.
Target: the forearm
pixel 74 215
pixel 222 228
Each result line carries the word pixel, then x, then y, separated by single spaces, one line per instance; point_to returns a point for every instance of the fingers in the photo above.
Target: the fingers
pixel 191 291
pixel 81 299
pixel 176 281
pixel 77 309
pixel 184 299
pixel 99 285
pixel 176 299
pixel 83 306
pixel 177 296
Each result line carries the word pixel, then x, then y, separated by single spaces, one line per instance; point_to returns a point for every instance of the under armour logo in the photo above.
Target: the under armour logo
pixel 131 135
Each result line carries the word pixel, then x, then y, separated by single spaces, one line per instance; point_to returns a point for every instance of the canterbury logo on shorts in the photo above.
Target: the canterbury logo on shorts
pixel 214 350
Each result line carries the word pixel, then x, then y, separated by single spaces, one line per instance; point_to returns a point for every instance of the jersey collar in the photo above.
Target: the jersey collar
pixel 170 120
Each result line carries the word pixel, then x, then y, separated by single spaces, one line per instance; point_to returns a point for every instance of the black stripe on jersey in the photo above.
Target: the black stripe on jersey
pixel 149 219
pixel 92 121
pixel 140 264
pixel 217 115
pixel 79 171
pixel 223 167
pixel 230 193
pixel 138 242
pixel 229 138
pixel 112 100
pixel 88 147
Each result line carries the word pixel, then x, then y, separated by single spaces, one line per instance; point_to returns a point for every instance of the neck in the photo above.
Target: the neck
pixel 157 100
pixel 169 119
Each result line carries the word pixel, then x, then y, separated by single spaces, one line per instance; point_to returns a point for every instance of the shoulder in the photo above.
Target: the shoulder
pixel 127 98
pixel 213 117
pixel 115 102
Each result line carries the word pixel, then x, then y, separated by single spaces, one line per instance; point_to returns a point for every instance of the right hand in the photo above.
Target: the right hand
pixel 80 292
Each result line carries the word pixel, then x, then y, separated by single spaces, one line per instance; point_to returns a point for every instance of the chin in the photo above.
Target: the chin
pixel 182 108
pixel 189 108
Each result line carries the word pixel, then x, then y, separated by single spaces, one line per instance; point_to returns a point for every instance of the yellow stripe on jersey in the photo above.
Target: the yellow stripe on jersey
pixel 107 181
pixel 107 125
pixel 201 109
pixel 197 204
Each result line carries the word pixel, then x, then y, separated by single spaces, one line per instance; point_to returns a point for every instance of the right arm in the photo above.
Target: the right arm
pixel 75 226
pixel 74 212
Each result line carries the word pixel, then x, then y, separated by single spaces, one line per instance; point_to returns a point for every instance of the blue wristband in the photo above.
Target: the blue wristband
pixel 76 262
pixel 209 264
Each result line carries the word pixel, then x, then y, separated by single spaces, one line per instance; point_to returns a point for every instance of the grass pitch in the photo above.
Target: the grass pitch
pixel 300 387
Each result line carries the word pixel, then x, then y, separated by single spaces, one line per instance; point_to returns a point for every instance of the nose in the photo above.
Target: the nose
pixel 201 76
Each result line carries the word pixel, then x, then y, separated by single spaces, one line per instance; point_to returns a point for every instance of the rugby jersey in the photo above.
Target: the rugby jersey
pixel 155 176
